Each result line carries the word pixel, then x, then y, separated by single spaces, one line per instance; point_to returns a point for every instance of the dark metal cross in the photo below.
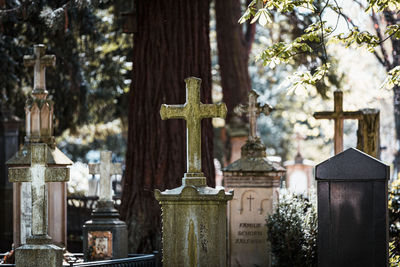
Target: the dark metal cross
pixel 250 198
pixel 338 115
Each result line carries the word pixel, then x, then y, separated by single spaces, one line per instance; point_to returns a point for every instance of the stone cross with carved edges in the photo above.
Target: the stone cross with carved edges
pixel 39 61
pixel 38 174
pixel 338 115
pixel 253 110
pixel 193 111
pixel 106 169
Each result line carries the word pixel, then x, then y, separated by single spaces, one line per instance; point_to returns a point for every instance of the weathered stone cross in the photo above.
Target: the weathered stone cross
pixel 106 169
pixel 193 111
pixel 338 115
pixel 38 174
pixel 253 110
pixel 40 61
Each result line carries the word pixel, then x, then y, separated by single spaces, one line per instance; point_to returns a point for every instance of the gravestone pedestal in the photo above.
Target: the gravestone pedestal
pixel 38 252
pixel 256 182
pixel 194 224
pixel 105 236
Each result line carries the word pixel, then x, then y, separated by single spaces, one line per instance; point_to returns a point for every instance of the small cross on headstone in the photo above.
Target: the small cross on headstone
pixel 253 110
pixel 39 61
pixel 338 115
pixel 250 198
pixel 106 169
pixel 38 174
pixel 193 111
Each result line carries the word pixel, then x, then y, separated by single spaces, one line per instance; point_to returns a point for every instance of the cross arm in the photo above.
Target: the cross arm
pixel 356 115
pixel 94 168
pixel 116 168
pixel 18 175
pixel 29 61
pixel 172 112
pixel 240 109
pixel 57 174
pixel 48 60
pixel 213 110
pixel 266 109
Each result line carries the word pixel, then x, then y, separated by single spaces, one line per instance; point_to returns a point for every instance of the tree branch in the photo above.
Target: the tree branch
pixel 378 30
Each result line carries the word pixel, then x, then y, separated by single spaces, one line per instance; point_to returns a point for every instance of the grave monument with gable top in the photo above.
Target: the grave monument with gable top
pixel 193 215
pixel 38 250
pixel 352 210
pixel 256 181
pixel 105 236
pixel 39 129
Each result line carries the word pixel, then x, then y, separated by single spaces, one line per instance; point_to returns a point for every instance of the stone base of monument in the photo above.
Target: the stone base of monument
pixel 39 252
pixel 194 224
pixel 105 236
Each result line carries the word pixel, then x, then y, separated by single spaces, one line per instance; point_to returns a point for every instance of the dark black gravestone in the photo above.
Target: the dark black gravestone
pixel 9 125
pixel 352 210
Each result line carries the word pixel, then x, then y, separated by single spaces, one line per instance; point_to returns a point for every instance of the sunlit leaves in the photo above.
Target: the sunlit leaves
pixel 381 5
pixel 392 79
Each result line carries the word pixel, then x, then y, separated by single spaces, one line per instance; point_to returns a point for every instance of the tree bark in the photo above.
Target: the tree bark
pixel 171 43
pixel 233 53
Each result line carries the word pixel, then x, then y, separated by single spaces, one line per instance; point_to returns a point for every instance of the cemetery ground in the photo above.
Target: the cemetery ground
pixel 199 133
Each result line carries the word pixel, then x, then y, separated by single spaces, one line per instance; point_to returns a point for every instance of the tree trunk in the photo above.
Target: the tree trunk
pixel 233 53
pixel 171 43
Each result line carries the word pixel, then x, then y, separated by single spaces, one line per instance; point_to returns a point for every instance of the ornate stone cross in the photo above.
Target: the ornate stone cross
pixel 253 110
pixel 193 111
pixel 39 61
pixel 338 115
pixel 38 174
pixel 106 169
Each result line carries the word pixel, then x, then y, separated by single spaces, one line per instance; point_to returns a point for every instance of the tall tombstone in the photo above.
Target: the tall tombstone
pixel 39 129
pixel 193 215
pixel 352 210
pixel 105 236
pixel 256 181
pixel 9 125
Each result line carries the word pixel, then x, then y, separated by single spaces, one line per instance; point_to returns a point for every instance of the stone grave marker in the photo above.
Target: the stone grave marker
pixel 194 215
pixel 38 251
pixel 105 236
pixel 39 129
pixel 256 181
pixel 299 173
pixel 352 210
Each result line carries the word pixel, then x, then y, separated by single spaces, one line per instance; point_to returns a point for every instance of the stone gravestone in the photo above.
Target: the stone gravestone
pixel 299 173
pixel 38 251
pixel 9 125
pixel 368 132
pixel 256 182
pixel 39 129
pixel 352 210
pixel 105 236
pixel 193 215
